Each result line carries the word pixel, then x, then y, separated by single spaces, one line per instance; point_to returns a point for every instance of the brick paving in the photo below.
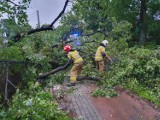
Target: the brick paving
pixel 80 103
pixel 82 106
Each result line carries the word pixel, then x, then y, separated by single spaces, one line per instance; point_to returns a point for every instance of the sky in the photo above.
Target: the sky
pixel 48 11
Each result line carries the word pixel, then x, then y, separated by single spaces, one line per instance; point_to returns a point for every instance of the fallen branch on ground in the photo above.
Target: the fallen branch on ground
pixel 43 76
pixel 80 78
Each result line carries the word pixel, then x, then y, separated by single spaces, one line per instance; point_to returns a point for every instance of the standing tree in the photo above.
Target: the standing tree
pixel 139 13
pixel 142 19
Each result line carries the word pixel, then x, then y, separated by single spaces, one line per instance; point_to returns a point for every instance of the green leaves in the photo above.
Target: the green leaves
pixel 11 53
pixel 15 10
pixel 104 93
pixel 33 104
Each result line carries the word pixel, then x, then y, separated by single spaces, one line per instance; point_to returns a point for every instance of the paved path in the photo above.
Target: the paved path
pixel 81 104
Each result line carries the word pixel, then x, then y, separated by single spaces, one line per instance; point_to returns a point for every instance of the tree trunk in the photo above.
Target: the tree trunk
pixel 142 37
pixel 142 22
pixel 60 68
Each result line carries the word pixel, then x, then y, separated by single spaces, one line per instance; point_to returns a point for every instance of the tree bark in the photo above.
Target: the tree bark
pixel 43 76
pixel 79 78
pixel 143 22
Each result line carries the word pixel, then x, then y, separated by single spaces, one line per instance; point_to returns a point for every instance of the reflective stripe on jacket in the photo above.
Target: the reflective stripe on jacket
pixel 99 52
pixel 74 55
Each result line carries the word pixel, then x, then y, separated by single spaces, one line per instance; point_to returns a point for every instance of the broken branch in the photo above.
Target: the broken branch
pixel 43 76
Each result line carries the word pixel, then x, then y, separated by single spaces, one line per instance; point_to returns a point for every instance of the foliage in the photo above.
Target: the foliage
pixel 11 28
pixel 34 103
pixel 137 70
pixel 14 10
pixel 143 91
pixel 97 16
pixel 133 68
pixel 104 93
pixel 32 53
pixel 11 53
pixel 59 78
pixel 94 14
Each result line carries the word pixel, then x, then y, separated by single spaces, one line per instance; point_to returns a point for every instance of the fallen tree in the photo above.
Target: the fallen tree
pixel 60 68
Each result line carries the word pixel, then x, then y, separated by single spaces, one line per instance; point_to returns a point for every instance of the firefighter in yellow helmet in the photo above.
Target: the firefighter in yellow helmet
pixel 101 55
pixel 74 57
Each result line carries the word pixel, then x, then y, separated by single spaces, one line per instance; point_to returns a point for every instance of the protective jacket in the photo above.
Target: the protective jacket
pixel 74 55
pixel 100 53
pixel 78 64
